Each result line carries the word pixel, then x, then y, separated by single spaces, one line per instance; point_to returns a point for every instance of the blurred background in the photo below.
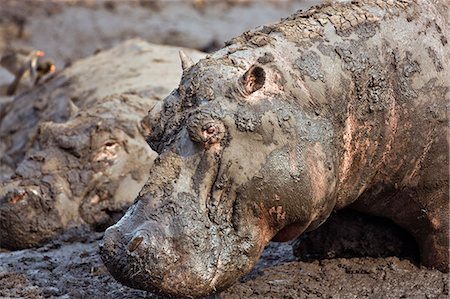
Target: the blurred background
pixel 72 29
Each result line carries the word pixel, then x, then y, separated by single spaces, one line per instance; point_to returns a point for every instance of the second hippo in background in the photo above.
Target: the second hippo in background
pixel 75 145
pixel 344 104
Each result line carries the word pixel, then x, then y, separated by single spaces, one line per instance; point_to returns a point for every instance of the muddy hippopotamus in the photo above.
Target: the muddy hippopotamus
pixel 344 104
pixel 76 144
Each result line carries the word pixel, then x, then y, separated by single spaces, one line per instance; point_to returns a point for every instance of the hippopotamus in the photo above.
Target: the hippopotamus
pixel 340 105
pixel 76 144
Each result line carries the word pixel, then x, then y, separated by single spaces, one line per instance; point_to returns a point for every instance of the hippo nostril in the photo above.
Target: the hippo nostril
pixel 134 243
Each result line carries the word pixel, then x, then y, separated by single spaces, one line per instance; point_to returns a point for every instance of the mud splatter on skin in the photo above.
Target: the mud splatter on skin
pixel 332 119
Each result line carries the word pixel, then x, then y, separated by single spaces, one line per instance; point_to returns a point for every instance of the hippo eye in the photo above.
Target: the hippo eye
pixel 210 129
pixel 206 131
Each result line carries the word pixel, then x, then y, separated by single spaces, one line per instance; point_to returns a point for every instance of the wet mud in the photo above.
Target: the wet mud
pixel 70 267
pixel 198 24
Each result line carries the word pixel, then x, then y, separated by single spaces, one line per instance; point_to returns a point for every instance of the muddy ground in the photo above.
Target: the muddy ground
pixel 331 265
pixel 70 267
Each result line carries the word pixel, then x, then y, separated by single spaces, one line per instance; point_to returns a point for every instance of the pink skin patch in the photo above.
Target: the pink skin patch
pixel 95 199
pixel 17 198
pixel 108 153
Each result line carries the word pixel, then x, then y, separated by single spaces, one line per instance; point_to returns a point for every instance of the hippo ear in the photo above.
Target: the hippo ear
pixel 253 79
pixel 186 61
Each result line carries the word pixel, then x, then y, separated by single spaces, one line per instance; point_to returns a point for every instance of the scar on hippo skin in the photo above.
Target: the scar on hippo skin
pixel 17 197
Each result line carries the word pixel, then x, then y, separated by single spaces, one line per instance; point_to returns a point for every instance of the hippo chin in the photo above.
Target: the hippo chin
pixel 265 138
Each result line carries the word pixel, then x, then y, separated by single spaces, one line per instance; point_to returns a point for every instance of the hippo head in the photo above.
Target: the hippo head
pixel 79 171
pixel 239 164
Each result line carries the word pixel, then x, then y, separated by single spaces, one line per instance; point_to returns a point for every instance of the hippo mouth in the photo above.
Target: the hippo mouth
pixel 180 243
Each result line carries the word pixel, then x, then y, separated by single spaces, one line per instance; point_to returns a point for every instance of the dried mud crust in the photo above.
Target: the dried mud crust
pixel 69 267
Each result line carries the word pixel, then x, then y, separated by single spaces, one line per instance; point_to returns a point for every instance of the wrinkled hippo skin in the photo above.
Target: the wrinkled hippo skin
pixel 344 104
pixel 76 143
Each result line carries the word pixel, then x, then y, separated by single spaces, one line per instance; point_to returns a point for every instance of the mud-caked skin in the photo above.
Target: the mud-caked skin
pixel 344 104
pixel 73 175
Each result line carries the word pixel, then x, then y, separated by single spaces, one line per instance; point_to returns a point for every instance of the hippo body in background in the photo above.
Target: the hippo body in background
pixel 76 144
pixel 344 104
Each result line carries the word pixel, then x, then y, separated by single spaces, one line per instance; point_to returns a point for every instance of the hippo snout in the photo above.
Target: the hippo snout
pixel 166 259
pixel 29 215
pixel 167 242
pixel 152 253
